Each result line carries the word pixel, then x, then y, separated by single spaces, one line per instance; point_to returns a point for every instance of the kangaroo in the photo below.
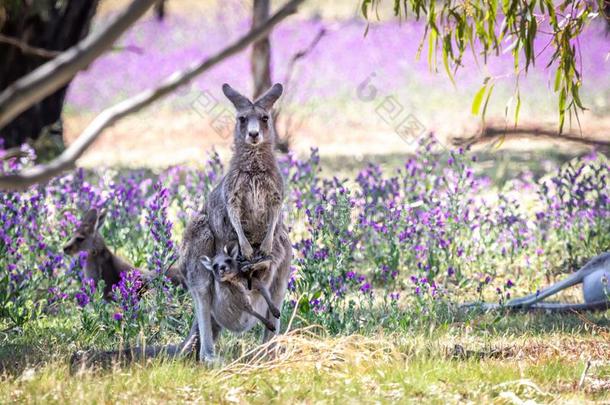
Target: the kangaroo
pixel 252 192
pixel 101 263
pixel 230 274
pixel 244 206
pixel 595 279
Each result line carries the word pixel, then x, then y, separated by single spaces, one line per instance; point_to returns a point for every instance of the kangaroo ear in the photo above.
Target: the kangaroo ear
pixel 266 100
pixel 207 263
pixel 90 218
pixel 240 102
pixel 100 220
pixel 234 250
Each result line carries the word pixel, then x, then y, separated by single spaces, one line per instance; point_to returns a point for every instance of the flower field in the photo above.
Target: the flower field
pixel 424 237
pixel 389 252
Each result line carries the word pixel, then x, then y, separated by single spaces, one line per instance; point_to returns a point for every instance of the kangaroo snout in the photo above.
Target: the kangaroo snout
pixel 68 248
pixel 254 137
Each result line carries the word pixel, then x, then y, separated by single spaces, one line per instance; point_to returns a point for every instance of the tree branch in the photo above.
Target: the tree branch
pixel 112 114
pixel 491 133
pixel 26 48
pixel 52 75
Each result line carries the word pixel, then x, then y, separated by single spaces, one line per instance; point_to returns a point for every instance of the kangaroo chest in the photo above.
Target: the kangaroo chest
pixel 102 267
pixel 259 195
pixel 255 196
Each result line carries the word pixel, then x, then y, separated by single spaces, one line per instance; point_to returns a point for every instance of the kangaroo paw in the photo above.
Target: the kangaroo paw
pixel 275 312
pixel 270 326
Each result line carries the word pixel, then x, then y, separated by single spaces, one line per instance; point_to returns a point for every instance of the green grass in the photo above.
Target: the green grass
pixel 519 357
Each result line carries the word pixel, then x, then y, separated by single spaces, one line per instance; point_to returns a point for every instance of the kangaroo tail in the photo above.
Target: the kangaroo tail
pixel 601 261
pixel 531 299
pixel 554 307
pixel 561 307
pixel 547 292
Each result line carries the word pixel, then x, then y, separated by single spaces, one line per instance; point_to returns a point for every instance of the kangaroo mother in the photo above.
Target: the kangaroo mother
pixel 245 207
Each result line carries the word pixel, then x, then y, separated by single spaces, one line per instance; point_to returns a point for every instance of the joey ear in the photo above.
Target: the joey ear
pixel 234 250
pixel 231 250
pixel 207 263
pixel 239 101
pixel 267 100
pixel 100 220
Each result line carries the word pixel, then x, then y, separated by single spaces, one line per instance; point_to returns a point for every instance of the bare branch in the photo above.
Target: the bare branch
pixel 301 54
pixel 12 154
pixel 112 114
pixel 284 141
pixel 25 48
pixel 491 133
pixel 51 76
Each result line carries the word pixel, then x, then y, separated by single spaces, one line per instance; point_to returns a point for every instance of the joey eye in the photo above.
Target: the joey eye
pixel 265 118
pixel 229 262
pixel 242 120
pixel 215 267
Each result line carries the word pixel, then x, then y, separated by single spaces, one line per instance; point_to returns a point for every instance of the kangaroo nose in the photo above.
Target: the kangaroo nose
pixel 223 267
pixel 253 134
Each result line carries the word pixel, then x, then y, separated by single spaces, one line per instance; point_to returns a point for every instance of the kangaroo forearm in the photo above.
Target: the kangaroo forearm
pixel 235 219
pixel 267 243
pixel 272 224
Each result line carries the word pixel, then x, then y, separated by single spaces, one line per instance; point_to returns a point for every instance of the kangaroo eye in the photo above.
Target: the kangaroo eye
pixel 229 262
pixel 215 267
pixel 265 118
pixel 80 238
pixel 242 120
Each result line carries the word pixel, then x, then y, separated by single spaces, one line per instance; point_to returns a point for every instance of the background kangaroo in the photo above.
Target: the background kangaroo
pixel 595 279
pixel 101 263
pixel 244 207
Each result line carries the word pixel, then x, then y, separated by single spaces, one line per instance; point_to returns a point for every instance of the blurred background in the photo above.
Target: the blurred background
pixel 354 88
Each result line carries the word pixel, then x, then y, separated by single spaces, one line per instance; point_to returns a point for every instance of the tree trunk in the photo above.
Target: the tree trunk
pixel 261 50
pixel 260 63
pixel 45 24
pixel 160 10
